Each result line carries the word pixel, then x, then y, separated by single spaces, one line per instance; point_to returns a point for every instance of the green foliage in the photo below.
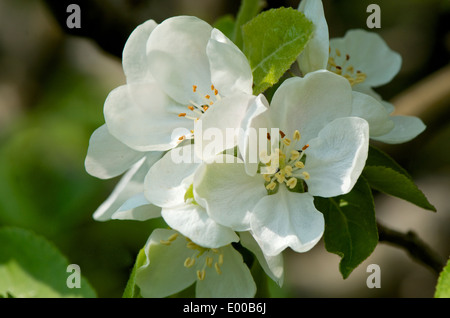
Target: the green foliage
pixel 385 175
pixel 131 290
pixel 31 267
pixel 247 11
pixel 226 25
pixel 443 285
pixel 272 42
pixel 350 226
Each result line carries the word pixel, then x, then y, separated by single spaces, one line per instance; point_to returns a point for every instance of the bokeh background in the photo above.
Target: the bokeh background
pixel 52 88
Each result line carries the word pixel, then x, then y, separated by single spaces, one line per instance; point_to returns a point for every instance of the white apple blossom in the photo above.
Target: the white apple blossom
pixel 365 60
pixel 108 158
pixel 321 153
pixel 175 72
pixel 174 262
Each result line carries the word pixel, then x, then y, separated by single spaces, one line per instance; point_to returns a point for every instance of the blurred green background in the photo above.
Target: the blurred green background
pixel 52 90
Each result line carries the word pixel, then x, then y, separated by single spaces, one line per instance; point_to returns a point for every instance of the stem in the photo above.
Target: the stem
pixel 415 247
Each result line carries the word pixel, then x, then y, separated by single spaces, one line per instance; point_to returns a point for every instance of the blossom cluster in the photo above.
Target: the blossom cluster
pixel 226 169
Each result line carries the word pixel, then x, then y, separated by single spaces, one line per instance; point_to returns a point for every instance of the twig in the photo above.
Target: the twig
pixel 415 247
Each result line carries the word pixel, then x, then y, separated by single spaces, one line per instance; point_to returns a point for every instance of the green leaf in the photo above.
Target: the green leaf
pixel 132 290
pixel 272 42
pixel 379 158
pixel 226 25
pixel 443 285
pixel 350 226
pixel 247 11
pixel 31 267
pixel 390 181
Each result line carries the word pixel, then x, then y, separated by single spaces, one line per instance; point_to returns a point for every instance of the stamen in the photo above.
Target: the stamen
pixel 295 155
pixel 217 267
pixel 338 53
pixel 207 96
pixel 194 88
pixel 191 108
pixel 297 135
pixel 291 183
pixel 287 141
pixel 182 115
pixel 347 57
pixel 267 177
pixel 305 147
pixel 268 136
pixel 209 261
pixel 282 134
pixel 220 259
pixel 271 186
pixel 173 237
pixel 164 242
pixel 288 170
pixel 205 108
pixel 189 262
pixel 306 175
pixel 299 165
pixel 201 274
pixel 280 177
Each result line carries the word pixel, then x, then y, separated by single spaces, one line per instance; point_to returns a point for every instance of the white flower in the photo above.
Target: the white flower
pixel 168 185
pixel 365 60
pixel 175 262
pixel 322 150
pixel 176 71
pixel 108 158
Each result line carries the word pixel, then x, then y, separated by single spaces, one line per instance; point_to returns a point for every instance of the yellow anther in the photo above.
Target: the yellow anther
pixel 191 108
pixel 291 183
pixel 305 147
pixel 338 53
pixel 194 88
pixel 271 186
pixel 287 141
pixel 207 96
pixel 295 154
pixel 280 177
pixel 216 92
pixel 350 69
pixel 217 267
pixel 288 170
pixel 297 135
pixel 164 242
pixel 182 115
pixel 299 165
pixel 181 138
pixel 201 274
pixel 205 108
pixel 173 237
pixel 209 261
pixel 306 175
pixel 267 177
pixel 331 62
pixel 220 260
pixel 212 87
pixel 189 262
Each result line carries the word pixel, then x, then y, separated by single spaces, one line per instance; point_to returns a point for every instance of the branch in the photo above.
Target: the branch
pixel 415 247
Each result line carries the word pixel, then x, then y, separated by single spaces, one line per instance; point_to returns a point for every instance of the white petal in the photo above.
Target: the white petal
pixel 134 57
pixel 286 219
pixel 192 221
pixel 273 266
pixel 228 193
pixel 335 159
pixel 168 180
pixel 177 58
pixel 373 112
pixel 164 273
pixel 144 118
pixel 107 157
pixel 248 143
pixel 230 70
pixel 315 55
pixel 218 128
pixel 369 54
pixel 405 129
pixel 137 208
pixel 131 184
pixel 235 281
pixel 308 104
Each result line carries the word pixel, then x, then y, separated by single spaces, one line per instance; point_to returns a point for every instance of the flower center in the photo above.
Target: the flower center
pixel 202 258
pixel 197 109
pixel 339 64
pixel 285 165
